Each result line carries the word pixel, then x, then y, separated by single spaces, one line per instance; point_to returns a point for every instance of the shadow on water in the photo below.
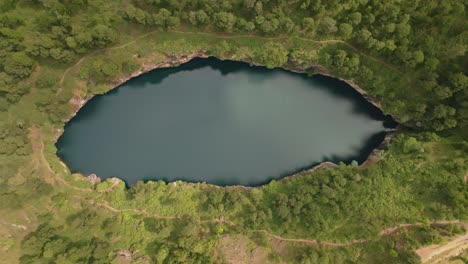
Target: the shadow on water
pixel 363 153
pixel 340 89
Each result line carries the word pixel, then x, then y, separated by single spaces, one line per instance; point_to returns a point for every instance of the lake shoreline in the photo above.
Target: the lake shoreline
pixel 175 61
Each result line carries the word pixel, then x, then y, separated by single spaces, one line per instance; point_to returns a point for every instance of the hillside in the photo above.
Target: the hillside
pixel 409 57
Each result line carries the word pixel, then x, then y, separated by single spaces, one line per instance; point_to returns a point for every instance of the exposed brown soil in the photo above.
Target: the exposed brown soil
pixel 259 256
pixel 233 249
pixel 41 163
pixel 393 229
pixel 384 232
pixel 440 253
pixel 237 248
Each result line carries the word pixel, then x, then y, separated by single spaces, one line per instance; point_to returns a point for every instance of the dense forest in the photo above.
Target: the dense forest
pixel 408 56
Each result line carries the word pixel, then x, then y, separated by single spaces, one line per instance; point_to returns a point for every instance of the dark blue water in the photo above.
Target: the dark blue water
pixel 220 122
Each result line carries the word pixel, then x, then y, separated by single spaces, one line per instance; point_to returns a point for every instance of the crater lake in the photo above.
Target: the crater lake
pixel 220 122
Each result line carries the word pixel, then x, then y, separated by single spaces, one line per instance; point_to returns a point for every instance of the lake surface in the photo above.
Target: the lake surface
pixel 220 122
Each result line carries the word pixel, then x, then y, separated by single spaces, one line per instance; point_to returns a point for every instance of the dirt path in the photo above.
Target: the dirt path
pixel 115 182
pixel 73 66
pixel 393 229
pixel 140 212
pixel 223 36
pixel 357 51
pixel 384 232
pixel 393 68
pixel 158 216
pixel 99 50
pixel 313 241
pixel 39 159
pixel 37 154
pixel 230 37
pixel 435 253
pixel 138 38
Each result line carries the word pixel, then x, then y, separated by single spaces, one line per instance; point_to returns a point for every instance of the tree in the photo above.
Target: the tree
pixel 198 18
pixel 80 41
pixel 459 81
pixel 269 25
pixel 6 5
pixel 249 4
pixel 46 81
pixel 273 55
pixel 221 48
pixel 162 254
pixel 308 23
pixel 135 14
pixel 366 74
pixel 225 20
pixel 303 57
pixel 19 65
pixel 431 64
pixel 443 92
pixel 327 25
pixel 418 56
pixel 62 55
pixel 244 25
pixel 411 144
pixel 442 117
pixel 390 27
pixel 101 70
pixel 355 18
pixel 403 30
pixel 363 36
pixel 258 8
pixel 172 22
pixel 286 24
pixel 5 80
pixel 3 104
pixel 103 35
pixel 441 111
pixel 346 30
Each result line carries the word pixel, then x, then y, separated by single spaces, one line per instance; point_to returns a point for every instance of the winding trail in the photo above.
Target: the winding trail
pixel 314 241
pixel 99 50
pixel 384 232
pixel 115 182
pixel 158 216
pixel 35 137
pixel 38 150
pixel 437 253
pixel 389 66
pixel 326 41
pixel 391 230
pixel 221 36
pixel 74 65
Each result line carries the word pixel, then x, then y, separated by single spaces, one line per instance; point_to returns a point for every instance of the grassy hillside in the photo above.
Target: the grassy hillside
pixel 407 55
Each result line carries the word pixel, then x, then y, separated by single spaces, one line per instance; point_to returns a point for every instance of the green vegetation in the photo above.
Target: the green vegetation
pixel 410 56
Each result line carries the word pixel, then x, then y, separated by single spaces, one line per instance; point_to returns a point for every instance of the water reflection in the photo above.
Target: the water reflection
pixel 220 122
